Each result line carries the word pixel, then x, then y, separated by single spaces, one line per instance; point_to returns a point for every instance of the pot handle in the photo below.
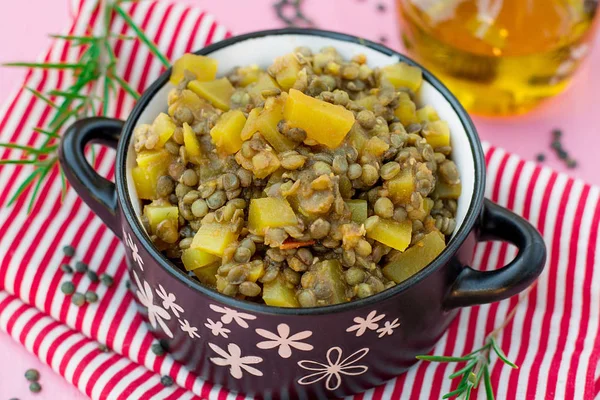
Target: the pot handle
pixel 98 192
pixel 474 287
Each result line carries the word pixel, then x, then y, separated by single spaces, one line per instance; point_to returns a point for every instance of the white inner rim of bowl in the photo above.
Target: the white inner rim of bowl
pixel 263 50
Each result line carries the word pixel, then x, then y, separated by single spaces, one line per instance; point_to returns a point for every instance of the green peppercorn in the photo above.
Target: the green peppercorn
pixel 67 288
pixel 35 387
pixel 69 250
pixel 78 299
pixel 66 268
pixel 158 350
pixel 81 267
pixel 92 275
pixel 91 297
pixel 32 375
pixel 166 380
pixel 107 280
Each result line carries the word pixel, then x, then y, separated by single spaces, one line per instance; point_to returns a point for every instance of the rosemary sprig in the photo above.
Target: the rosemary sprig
pixel 477 367
pixel 96 80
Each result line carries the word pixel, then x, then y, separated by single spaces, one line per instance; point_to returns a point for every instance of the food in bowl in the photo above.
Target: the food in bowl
pixel 314 182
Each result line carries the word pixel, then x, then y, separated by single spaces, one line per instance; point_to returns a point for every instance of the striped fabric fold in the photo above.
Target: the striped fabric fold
pixel 553 336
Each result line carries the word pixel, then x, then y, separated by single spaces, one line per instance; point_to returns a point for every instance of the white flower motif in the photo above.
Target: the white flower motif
pixel 134 250
pixel 217 328
pixel 156 314
pixel 235 361
pixel 388 328
pixel 187 328
pixel 362 324
pixel 232 315
pixel 334 368
pixel 284 341
pixel 169 301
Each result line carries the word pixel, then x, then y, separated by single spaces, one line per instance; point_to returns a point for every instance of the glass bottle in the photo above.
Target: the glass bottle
pixel 499 56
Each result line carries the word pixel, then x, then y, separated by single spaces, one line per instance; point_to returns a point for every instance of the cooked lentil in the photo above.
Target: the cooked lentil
pixel 66 268
pixel 336 208
pixel 106 279
pixel 81 267
pixel 93 276
pixel 67 288
pixel 78 299
pixel 35 387
pixel 91 297
pixel 69 251
pixel 32 375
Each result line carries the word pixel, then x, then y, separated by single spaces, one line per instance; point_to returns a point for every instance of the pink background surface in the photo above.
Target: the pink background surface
pixel 24 25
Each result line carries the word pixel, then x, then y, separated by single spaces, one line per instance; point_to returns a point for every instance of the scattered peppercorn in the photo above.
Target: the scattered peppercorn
pixel 164 344
pixel 541 157
pixel 158 350
pixel 69 250
pixel 32 375
pixel 35 387
pixel 67 288
pixel 81 267
pixel 556 133
pixel 66 268
pixel 92 275
pixel 383 39
pixel 13 398
pixel 128 285
pixel 381 7
pixel 560 151
pixel 91 297
pixel 106 279
pixel 78 299
pixel 166 380
pixel 103 348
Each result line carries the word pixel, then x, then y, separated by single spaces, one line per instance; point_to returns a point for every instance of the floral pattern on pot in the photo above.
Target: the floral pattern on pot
pixel 134 249
pixel 335 367
pixel 235 361
pixel 230 315
pixel 362 324
pixel 283 341
pixel 217 328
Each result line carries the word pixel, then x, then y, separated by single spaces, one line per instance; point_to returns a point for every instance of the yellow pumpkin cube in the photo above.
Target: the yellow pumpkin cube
pixel 367 102
pixel 226 134
pixel 218 92
pixel 286 69
pixel 330 273
pixel 164 127
pixel 214 238
pixel 402 75
pixel 325 123
pixel 406 111
pixel 251 125
pixel 204 68
pixel 401 187
pixel 402 266
pixel 257 270
pixel 375 146
pixel 190 141
pixel 444 190
pixel 157 214
pixel 208 274
pixel 196 258
pixel 249 74
pixel 144 185
pixel 269 212
pixel 264 82
pixel 278 293
pixel 427 114
pixel 437 133
pixel 148 158
pixel 267 122
pixel 396 235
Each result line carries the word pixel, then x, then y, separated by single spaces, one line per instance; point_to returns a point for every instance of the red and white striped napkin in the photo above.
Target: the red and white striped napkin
pixel 554 337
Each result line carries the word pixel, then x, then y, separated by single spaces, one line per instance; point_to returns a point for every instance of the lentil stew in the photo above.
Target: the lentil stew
pixel 316 181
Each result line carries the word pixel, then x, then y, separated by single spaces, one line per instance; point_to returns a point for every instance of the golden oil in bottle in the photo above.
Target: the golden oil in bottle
pixel 499 56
